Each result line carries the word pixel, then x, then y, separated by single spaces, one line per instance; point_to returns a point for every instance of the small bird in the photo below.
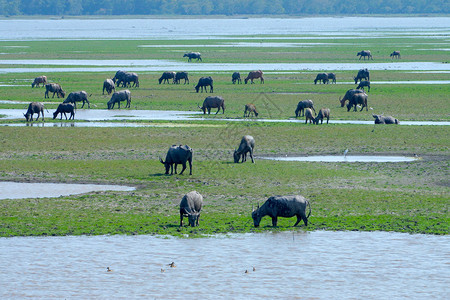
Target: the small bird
pixel 172 265
pixel 162 270
pixel 345 152
pixel 246 271
pixel 108 269
pixel 254 269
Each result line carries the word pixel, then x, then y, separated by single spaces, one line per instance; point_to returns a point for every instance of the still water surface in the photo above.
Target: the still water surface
pixel 300 265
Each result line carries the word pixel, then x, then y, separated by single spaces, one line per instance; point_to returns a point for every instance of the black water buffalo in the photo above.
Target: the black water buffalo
pixel 109 86
pixel 166 76
pixel 181 75
pixel 247 145
pixel 362 74
pixel 396 54
pixel 190 207
pixel 332 77
pixel 75 97
pixel 204 82
pixel 309 116
pixel 118 97
pixel 34 108
pixel 302 105
pixel 380 119
pixel 364 53
pixel 64 108
pixel 178 155
pixel 38 80
pixel 363 84
pixel 213 102
pixel 254 75
pixel 119 76
pixel 321 77
pixel 359 98
pixel 282 206
pixel 126 78
pixel 236 77
pixel 54 88
pixel 250 108
pixel 195 55
pixel 348 95
pixel 323 113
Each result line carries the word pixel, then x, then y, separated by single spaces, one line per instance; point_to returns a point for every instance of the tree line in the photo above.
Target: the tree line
pixel 221 7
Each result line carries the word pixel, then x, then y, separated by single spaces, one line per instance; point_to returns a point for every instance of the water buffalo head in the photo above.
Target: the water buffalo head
pixel 193 219
pixel 342 101
pixel 27 116
pixel 236 156
pixel 166 165
pixel 256 216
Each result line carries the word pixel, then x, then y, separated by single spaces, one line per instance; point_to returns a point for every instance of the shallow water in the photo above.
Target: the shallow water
pixel 288 265
pixel 342 158
pixel 22 190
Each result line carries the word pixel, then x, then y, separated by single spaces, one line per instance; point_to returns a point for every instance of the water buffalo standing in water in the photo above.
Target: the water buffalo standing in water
pixel 348 95
pixel 254 75
pixel 38 80
pixel 204 82
pixel 250 108
pixel 195 55
pixel 213 102
pixel 34 108
pixel 190 206
pixel 75 97
pixel 359 98
pixel 109 86
pixel 362 74
pixel 181 75
pixel 54 88
pixel 282 206
pixel 166 76
pixel 302 105
pixel 363 84
pixel 247 145
pixel 364 53
pixel 396 54
pixel 323 113
pixel 321 77
pixel 309 116
pixel 332 77
pixel 178 155
pixel 380 119
pixel 117 97
pixel 236 77
pixel 64 108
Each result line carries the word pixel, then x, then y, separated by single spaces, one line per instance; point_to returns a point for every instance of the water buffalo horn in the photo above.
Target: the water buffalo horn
pixel 160 159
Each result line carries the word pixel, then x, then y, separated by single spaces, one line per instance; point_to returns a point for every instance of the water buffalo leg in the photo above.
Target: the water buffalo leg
pixel 218 110
pixel 274 221
pixel 251 155
pixel 190 167
pixel 184 168
pixel 181 219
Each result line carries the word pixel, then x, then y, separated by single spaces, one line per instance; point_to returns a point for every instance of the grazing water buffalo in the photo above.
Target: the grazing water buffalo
pixel 236 77
pixel 109 86
pixel 54 88
pixel 166 76
pixel 195 55
pixel 117 97
pixel 34 108
pixel 323 113
pixel 363 84
pixel 213 102
pixel 321 77
pixel 250 108
pixel 246 146
pixel 282 206
pixel 302 105
pixel 204 82
pixel 64 108
pixel 348 95
pixel 190 206
pixel 380 119
pixel 119 77
pixel 126 78
pixel 38 80
pixel 332 77
pixel 254 75
pixel 309 116
pixel 178 155
pixel 179 76
pixel 75 97
pixel 359 98
pixel 362 74
pixel 396 54
pixel 365 53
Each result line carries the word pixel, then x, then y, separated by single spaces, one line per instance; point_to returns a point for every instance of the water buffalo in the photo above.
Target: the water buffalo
pixel 250 108
pixel 380 119
pixel 302 105
pixel 348 95
pixel 34 108
pixel 126 78
pixel 64 108
pixel 38 80
pixel 321 77
pixel 359 98
pixel 323 113
pixel 213 102
pixel 120 75
pixel 309 116
pixel 236 77
pixel 54 88
pixel 109 86
pixel 282 206
pixel 365 53
pixel 178 155
pixel 332 77
pixel 254 75
pixel 362 74
pixel 363 84
pixel 396 54
pixel 190 206
pixel 204 82
pixel 246 146
pixel 179 76
pixel 117 97
pixel 166 76
pixel 195 55
pixel 75 97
